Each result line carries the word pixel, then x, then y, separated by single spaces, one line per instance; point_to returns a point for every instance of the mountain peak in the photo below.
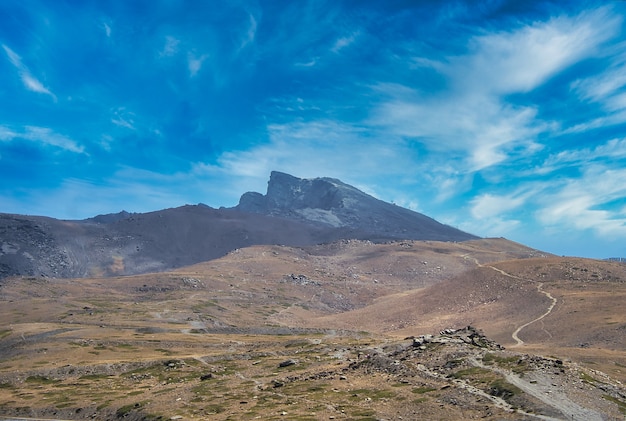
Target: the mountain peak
pixel 331 202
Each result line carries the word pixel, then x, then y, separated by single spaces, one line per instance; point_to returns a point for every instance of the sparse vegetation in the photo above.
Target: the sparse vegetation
pixel 423 389
pixel 503 389
pixel 125 410
pixel 621 404
pixel 589 379
pixel 514 363
pixel 41 380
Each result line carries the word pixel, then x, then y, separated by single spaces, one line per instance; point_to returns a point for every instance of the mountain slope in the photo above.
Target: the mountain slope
pixel 139 243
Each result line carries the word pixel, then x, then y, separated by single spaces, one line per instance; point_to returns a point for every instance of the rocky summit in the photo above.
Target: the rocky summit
pixel 329 202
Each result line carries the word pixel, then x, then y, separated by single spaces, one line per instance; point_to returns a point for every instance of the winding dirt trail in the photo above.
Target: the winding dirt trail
pixel 515 335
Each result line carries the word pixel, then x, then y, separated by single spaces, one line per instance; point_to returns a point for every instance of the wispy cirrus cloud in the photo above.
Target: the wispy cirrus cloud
pixel 523 59
pixel 250 32
pixel 604 120
pixel 42 135
pixel 587 196
pixel 605 89
pixel 611 153
pixel 30 82
pixel 194 63
pixel 173 46
pixel 589 201
pixel 489 205
pixel 344 42
pixel 582 202
pixel 107 29
pixel 170 46
pixel 473 117
pixel 123 118
pixel 494 214
pixel 481 131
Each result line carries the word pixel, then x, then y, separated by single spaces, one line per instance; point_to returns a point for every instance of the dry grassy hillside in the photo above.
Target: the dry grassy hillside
pixel 273 332
pixel 564 306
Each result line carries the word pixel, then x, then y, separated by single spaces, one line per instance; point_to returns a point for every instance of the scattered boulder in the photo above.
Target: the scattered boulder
pixel 288 363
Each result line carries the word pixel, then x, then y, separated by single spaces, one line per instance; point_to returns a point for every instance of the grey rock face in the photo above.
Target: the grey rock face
pixel 330 202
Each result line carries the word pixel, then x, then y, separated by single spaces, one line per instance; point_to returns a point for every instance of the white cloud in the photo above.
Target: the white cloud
pixel 173 46
pixel 170 47
pixel 611 151
pixel 586 202
pixel 310 63
pixel 473 119
pixel 34 85
pixel 591 201
pixel 488 205
pixel 107 29
pixel 480 128
pixel 496 215
pixel 13 57
pixel 602 87
pixel 599 122
pixel 495 226
pixel 7 134
pixel 423 62
pixel 43 135
pixel 30 82
pixel 194 63
pixel 344 42
pixel 49 137
pixel 617 102
pixel 521 60
pixel 123 118
pixel 250 33
pixel 607 87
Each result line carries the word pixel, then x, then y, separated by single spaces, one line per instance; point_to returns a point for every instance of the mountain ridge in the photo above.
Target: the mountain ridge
pixel 294 212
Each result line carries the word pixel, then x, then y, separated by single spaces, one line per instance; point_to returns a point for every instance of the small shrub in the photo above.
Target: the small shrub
pixel 423 389
pixel 503 389
pixel 41 380
pixel 125 410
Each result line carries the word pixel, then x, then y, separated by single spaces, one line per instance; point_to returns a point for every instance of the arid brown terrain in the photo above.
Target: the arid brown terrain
pixel 481 329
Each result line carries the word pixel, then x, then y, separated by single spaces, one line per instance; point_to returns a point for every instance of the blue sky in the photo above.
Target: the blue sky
pixel 502 118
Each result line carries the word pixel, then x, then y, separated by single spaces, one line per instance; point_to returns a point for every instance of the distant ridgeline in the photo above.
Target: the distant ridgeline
pixel 616 259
